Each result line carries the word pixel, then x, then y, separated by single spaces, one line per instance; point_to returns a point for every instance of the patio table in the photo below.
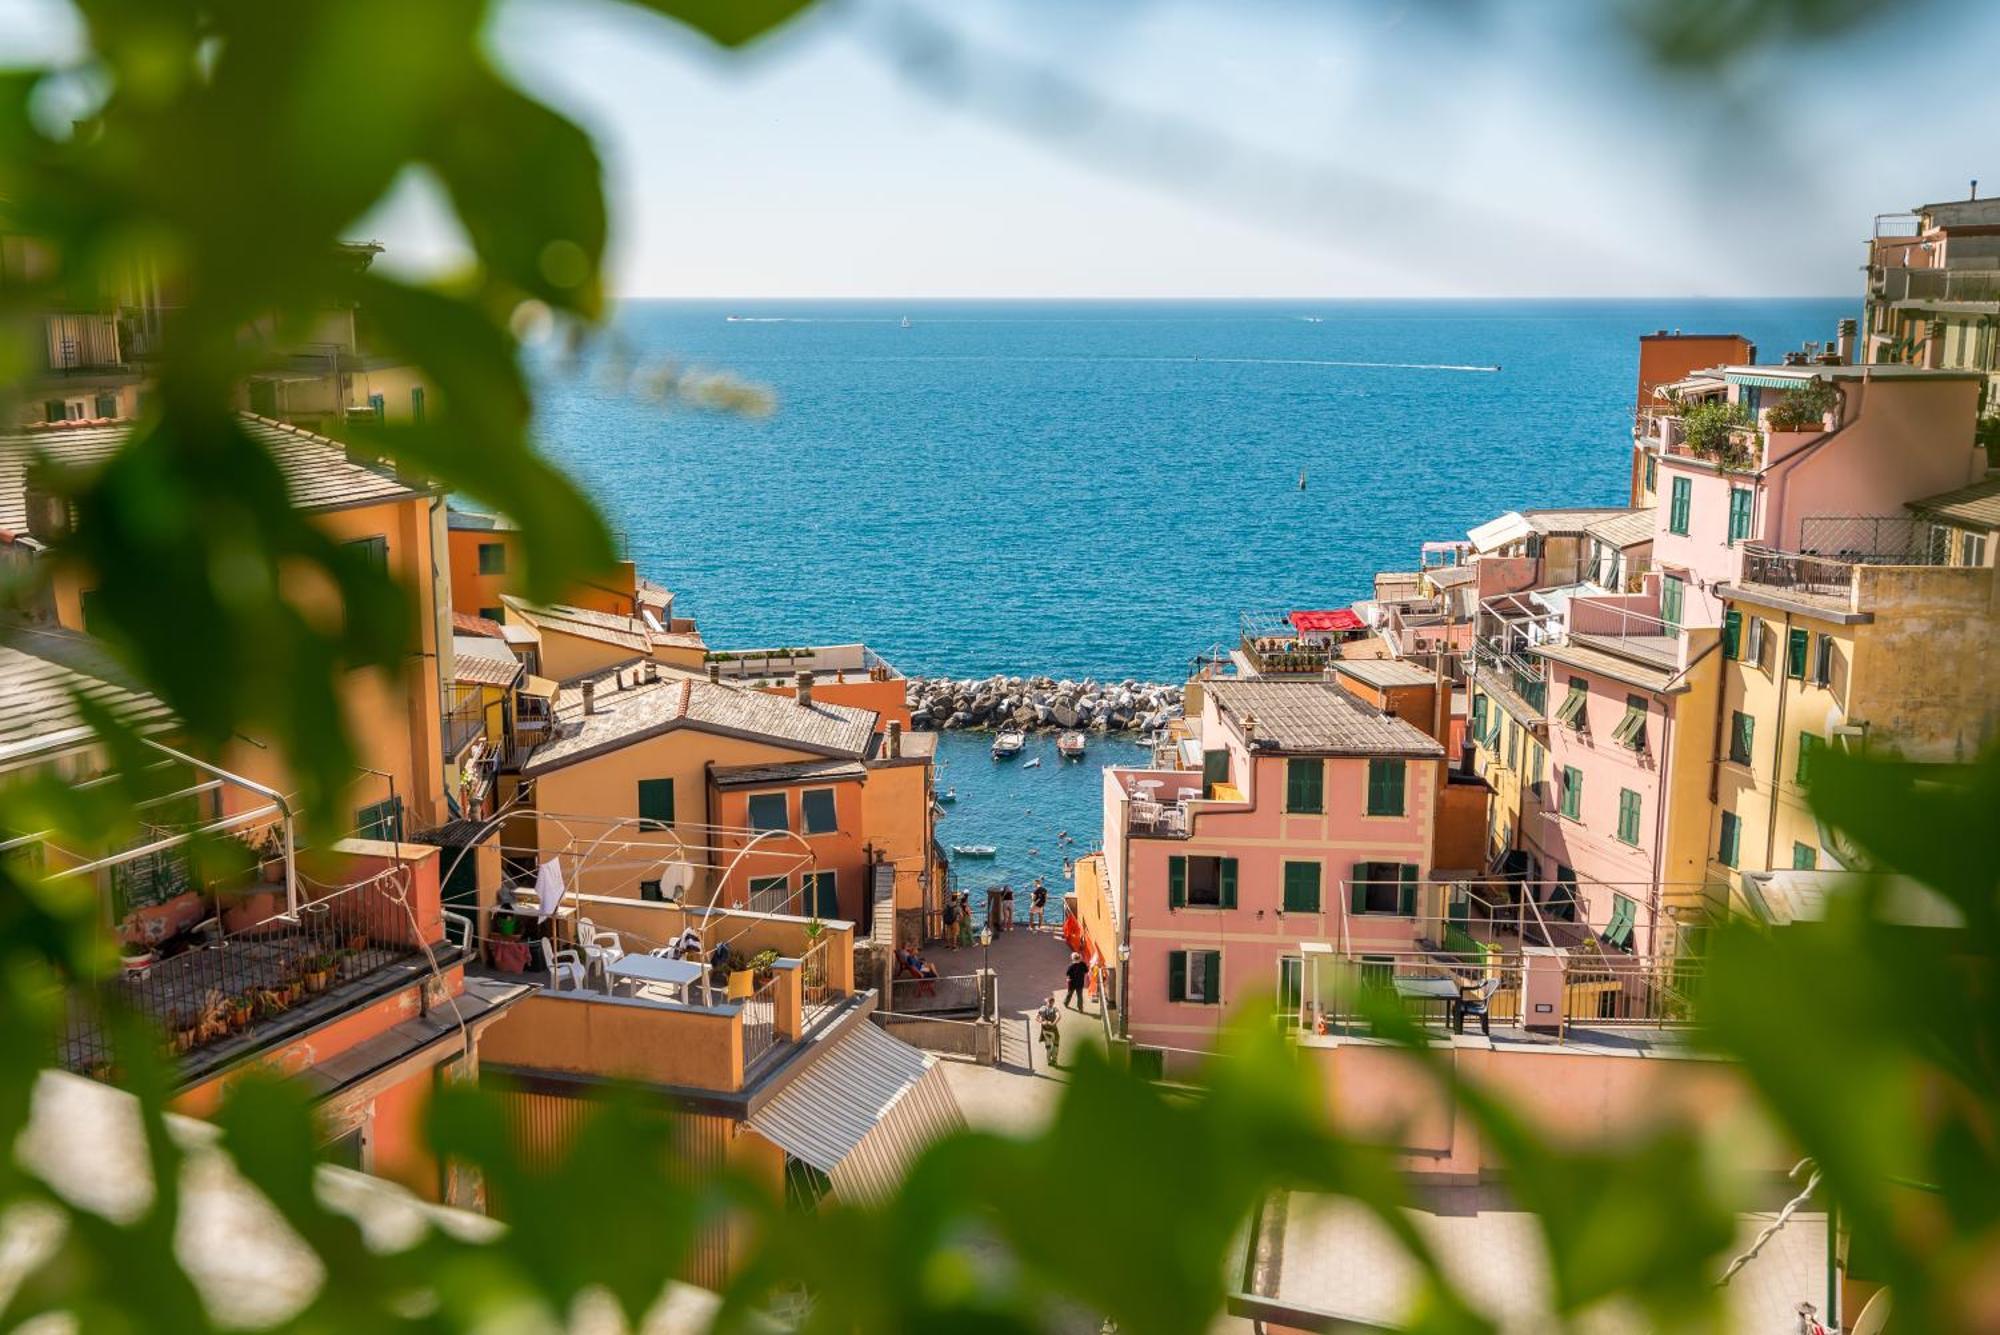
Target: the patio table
pixel 657 969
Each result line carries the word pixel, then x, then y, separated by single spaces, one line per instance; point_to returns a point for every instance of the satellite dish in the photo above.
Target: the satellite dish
pixel 676 879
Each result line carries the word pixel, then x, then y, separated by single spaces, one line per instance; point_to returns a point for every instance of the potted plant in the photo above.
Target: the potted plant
pixel 317 972
pixel 763 966
pixel 135 957
pixel 1805 408
pixel 742 981
pixel 183 1034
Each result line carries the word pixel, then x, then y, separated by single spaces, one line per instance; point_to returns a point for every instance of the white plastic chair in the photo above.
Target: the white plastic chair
pixel 1145 811
pixel 567 966
pixel 600 948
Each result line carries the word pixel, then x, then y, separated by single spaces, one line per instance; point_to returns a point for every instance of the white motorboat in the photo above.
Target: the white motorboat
pixel 1035 763
pixel 973 850
pixel 1009 743
pixel 1071 745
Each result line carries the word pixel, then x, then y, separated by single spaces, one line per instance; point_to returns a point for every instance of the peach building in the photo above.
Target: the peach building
pixel 1291 812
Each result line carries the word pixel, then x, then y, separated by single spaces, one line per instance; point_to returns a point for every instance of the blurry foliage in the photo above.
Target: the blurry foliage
pixel 225 147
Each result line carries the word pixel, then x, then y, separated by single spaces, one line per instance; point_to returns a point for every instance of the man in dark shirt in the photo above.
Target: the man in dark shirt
pixel 1038 904
pixel 1078 973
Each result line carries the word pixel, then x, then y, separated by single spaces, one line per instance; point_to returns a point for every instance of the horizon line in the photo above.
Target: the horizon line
pixel 1791 296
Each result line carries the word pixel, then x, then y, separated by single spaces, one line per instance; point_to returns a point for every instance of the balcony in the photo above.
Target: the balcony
pixel 1838 549
pixel 780 667
pixel 1892 284
pixel 83 343
pixel 1159 803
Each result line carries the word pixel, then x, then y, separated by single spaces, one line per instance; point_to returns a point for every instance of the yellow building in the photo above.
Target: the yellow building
pixel 1861 656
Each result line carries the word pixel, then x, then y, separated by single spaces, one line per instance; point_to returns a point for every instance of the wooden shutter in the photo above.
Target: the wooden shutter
pixel 1795 654
pixel 1212 977
pixel 656 803
pixel 1302 887
pixel 1177 975
pixel 1226 881
pixel 1732 633
pixel 1406 893
pixel 1176 882
pixel 1357 887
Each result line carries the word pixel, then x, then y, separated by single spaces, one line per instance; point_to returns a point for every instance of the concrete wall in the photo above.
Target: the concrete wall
pixel 579 1033
pixel 1924 671
pixel 897 823
pixel 793 858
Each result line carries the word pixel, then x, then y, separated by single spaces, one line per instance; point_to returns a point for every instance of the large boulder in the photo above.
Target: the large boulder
pixel 1063 714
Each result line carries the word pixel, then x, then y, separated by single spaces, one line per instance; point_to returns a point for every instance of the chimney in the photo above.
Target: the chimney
pixel 892 741
pixel 804 682
pixel 1846 343
pixel 714 671
pixel 589 696
pixel 652 672
pixel 1249 731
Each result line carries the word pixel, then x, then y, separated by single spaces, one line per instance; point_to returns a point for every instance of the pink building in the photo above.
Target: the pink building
pixel 1308 819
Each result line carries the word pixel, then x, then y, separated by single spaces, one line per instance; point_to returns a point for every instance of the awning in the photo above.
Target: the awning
pixel 1307 623
pixel 541 688
pixel 861 1113
pixel 1497 533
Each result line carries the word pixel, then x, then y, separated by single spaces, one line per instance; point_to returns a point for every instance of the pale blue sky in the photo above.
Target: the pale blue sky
pixel 1346 148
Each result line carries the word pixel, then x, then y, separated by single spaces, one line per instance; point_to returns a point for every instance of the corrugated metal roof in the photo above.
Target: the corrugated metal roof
pixel 1976 506
pixel 1554 522
pixel 1624 528
pixel 1385 672
pixel 1497 533
pixel 1317 718
pixel 861 1113
pixel 318 474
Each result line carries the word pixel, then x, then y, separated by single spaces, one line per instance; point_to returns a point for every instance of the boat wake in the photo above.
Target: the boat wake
pixel 1319 361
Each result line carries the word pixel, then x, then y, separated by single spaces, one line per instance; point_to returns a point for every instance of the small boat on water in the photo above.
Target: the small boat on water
pixel 973 850
pixel 1071 745
pixel 1035 763
pixel 1009 743
pixel 906 322
pixel 948 796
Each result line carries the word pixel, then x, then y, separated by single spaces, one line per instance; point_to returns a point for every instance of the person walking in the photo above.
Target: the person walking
pixel 1077 974
pixel 965 918
pixel 951 921
pixel 1006 908
pixel 1038 904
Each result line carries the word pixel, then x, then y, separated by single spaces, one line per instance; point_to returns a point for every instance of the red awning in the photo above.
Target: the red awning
pixel 1343 618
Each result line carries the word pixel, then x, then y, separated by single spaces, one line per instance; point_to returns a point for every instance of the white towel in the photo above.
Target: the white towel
pixel 548 888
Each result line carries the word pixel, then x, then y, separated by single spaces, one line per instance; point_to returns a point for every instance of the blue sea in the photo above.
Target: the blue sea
pixel 1090 488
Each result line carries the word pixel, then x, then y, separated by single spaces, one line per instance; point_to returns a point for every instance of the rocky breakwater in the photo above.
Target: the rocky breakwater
pixel 1041 702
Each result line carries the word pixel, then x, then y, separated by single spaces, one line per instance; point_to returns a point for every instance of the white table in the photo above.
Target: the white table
pixel 1151 786
pixel 675 974
pixel 1429 989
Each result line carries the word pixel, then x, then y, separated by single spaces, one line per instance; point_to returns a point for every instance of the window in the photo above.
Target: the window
pixel 1291 989
pixel 1808 743
pixel 1535 758
pixel 381 820
pixel 823 894
pixel 1795 654
pixel 416 403
pixel 1305 786
pixel 650 890
pixel 1203 883
pixel 656 803
pixel 1673 591
pixel 1742 736
pixel 1195 975
pixel 107 406
pixel 1727 848
pixel 492 558
pixel 1385 787
pixel 1384 887
pixel 767 812
pixel 379 406
pixel 1677 512
pixel 1513 745
pixel 1652 473
pixel 375 550
pixel 1572 792
pixel 1732 633
pixel 816 811
pixel 769 894
pixel 1478 717
pixel 1561 902
pixel 1631 730
pixel 1972 550
pixel 1301 887
pixel 1570 713
pixel 494 613
pixel 1214 770
pixel 1754 645
pixel 1740 500
pixel 1804 857
pixel 1624 916
pixel 1628 817
pixel 1823 660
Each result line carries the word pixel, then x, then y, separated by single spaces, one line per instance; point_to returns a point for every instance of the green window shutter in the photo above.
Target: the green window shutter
pixel 1305 786
pixel 1732 834
pixel 1357 887
pixel 1808 743
pixel 1628 816
pixel 376 550
pixel 1302 887
pixel 1385 787
pixel 1177 975
pixel 417 403
pixel 656 803
pixel 1804 857
pixel 492 558
pixel 1176 882
pixel 1572 793
pixel 1740 501
pixel 1478 717
pixel 1212 972
pixel 1732 633
pixel 817 811
pixel 1406 890
pixel 1226 881
pixel 1742 734
pixel 1795 654
pixel 1677 516
pixel 1673 591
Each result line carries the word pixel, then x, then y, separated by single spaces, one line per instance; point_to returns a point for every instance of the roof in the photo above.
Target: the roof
pixel 629 633
pixel 456 518
pixel 43 669
pixel 1548 522
pixel 1976 506
pixel 746 776
pixel 464 623
pixel 1623 528
pixel 482 661
pixel 1497 533
pixel 1450 577
pixel 1343 618
pixel 861 1113
pixel 1317 718
pixel 649 709
pixel 1588 658
pixel 318 474
pixel 1385 672
pixel 1789 377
